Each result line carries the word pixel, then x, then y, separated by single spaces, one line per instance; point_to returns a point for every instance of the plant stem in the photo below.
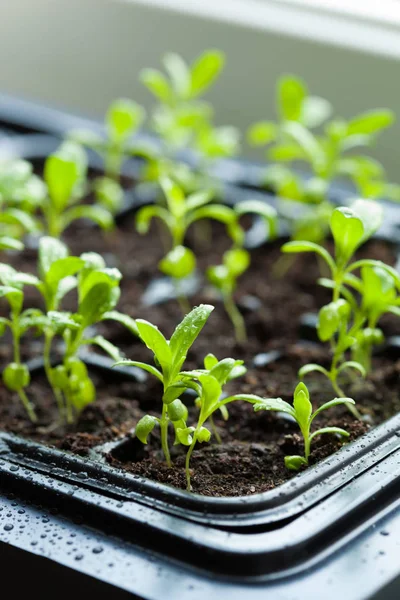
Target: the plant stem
pixel 187 463
pixel 164 435
pixel 283 265
pixel 236 317
pixel 353 409
pixel 27 405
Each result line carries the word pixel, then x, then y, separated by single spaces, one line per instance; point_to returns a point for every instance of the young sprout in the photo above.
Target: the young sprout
pixel 327 156
pixel 340 322
pixel 179 213
pixel 224 277
pixel 65 176
pixel 16 376
pixel 122 121
pixel 208 383
pixel 98 293
pixel 169 356
pixel 377 290
pixel 183 121
pixel 302 413
pixel 21 193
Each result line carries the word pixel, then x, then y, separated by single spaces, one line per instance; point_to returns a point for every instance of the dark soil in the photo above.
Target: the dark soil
pixel 250 458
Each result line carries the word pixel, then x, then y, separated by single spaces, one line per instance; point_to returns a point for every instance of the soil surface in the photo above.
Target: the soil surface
pixel 250 457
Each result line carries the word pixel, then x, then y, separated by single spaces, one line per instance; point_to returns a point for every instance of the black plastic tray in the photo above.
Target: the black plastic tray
pixel 331 530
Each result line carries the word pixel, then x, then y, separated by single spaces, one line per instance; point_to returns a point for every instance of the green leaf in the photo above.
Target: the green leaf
pixel 109 194
pixel 310 368
pixel 90 277
pixel 61 320
pixel 185 435
pixel 144 427
pixel 61 176
pixel 88 138
pixel 50 250
pixel 334 430
pixel 262 133
pixel 16 376
pixel 64 286
pixel 99 215
pixel 177 411
pixel 123 118
pixel 178 263
pixel 291 95
pixel 156 342
pixel 101 298
pixel 179 74
pixel 330 404
pixel 147 213
pixel 15 216
pixel 308 143
pixel 210 361
pixel 205 70
pixel 348 232
pixel 174 195
pixel 199 199
pixel 370 122
pixel 156 83
pixel 294 463
pixel 370 213
pixel 8 243
pixel 274 404
pixel 330 317
pixel 145 367
pixel 203 435
pixel 315 111
pixel 302 406
pixel 14 297
pixel 224 214
pixel 62 268
pixel 223 369
pixel 186 333
pixel 105 345
pixel 125 320
pixel 237 261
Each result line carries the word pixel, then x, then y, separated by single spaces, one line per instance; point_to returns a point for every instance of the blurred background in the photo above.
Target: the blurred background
pixel 80 54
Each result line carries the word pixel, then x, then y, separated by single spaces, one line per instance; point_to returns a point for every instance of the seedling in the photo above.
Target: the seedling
pixel 122 121
pixel 293 140
pixel 224 277
pixel 169 356
pixel 183 121
pixel 302 413
pixel 98 293
pixel 65 176
pixel 208 383
pixel 21 193
pixel 16 376
pixel 340 322
pixel 179 213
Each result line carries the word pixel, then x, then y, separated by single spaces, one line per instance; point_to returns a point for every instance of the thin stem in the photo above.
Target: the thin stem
pixel 187 463
pixel 236 317
pixel 353 409
pixel 283 265
pixel 27 405
pixel 307 445
pixel 164 435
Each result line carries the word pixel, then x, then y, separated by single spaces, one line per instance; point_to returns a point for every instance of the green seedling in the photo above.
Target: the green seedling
pixel 98 293
pixel 65 174
pixel 291 140
pixel 178 215
pixel 224 277
pixel 21 194
pixel 182 120
pixel 123 119
pixel 16 376
pixel 208 383
pixel 303 414
pixel 169 357
pixel 340 322
pixel 378 295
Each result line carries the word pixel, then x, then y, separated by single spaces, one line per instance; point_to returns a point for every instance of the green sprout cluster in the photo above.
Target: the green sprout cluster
pixel 76 293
